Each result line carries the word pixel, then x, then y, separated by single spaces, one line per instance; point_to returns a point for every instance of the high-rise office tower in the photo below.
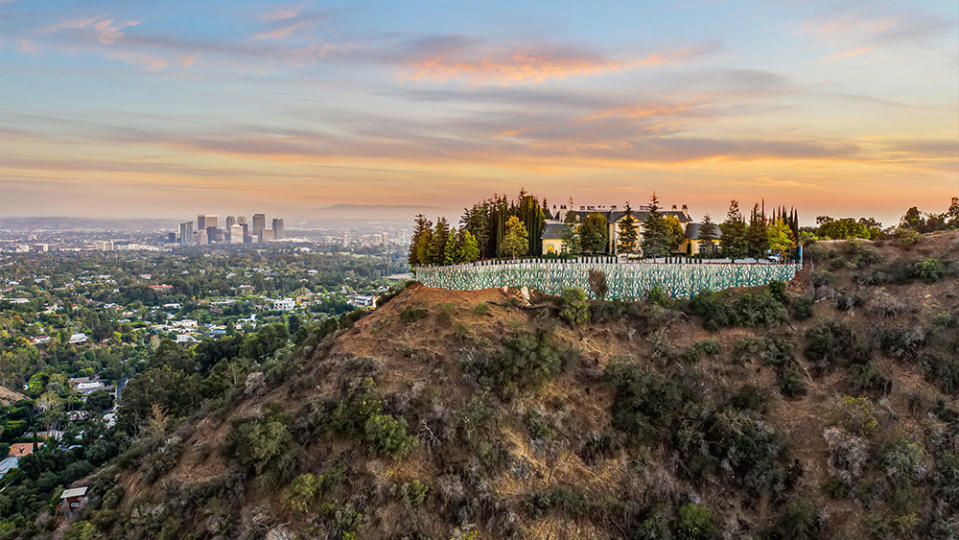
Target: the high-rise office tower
pixel 241 220
pixel 277 228
pixel 236 234
pixel 247 239
pixel 186 234
pixel 267 235
pixel 346 239
pixel 201 223
pixel 230 221
pixel 171 237
pixel 212 220
pixel 259 223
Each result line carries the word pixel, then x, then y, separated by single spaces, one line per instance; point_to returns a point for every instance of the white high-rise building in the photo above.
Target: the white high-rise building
pixel 236 234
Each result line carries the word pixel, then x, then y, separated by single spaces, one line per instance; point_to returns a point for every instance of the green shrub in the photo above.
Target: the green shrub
pixel 930 270
pixel 414 493
pixel 575 309
pixel 801 308
pixel 302 491
pixel 700 350
pixel 259 443
pixel 943 372
pixel 526 362
pixel 901 343
pixel 412 314
pixel 750 398
pixel 538 426
pixel 791 382
pixel 746 309
pixel 643 401
pixel 866 378
pixel 800 520
pixel 752 448
pixel 481 309
pixel 906 461
pixel 856 415
pixel 835 488
pixel 747 349
pixel 833 343
pixel 695 522
pixel 388 435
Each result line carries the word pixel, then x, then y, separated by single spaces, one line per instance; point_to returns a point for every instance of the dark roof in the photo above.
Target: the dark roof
pixel 692 230
pixel 612 216
pixel 552 231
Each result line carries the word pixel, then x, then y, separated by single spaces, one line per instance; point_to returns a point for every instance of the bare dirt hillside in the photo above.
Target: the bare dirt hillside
pixel 823 409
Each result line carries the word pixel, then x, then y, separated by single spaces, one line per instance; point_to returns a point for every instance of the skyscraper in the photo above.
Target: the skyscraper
pixel 236 234
pixel 230 221
pixel 186 234
pixel 241 220
pixel 259 223
pixel 277 228
pixel 211 220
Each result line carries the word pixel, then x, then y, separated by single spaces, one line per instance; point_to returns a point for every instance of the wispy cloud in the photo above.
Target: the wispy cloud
pixel 457 57
pixel 863 32
pixel 284 22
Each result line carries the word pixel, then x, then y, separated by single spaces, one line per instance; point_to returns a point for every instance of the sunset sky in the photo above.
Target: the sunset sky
pixel 167 109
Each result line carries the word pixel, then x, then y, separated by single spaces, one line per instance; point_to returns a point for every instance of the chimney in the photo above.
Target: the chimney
pixel 674 207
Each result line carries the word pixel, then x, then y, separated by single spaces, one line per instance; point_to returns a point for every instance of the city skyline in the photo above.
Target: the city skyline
pixel 137 110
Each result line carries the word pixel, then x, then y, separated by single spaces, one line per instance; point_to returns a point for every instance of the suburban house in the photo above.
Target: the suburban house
pixel 552 236
pixel 72 499
pixel 693 244
pixel 18 450
pixel 284 304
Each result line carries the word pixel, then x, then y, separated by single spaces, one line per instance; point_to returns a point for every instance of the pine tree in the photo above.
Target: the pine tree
pixel 733 240
pixel 756 236
pixel 571 240
pixel 440 235
pixel 655 231
pixel 516 240
pixel 628 237
pixel 422 230
pixel 707 236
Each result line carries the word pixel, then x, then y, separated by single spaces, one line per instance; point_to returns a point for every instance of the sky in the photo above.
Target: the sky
pixel 169 109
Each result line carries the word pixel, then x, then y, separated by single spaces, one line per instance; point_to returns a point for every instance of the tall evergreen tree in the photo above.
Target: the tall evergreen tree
pixel 708 233
pixel 733 240
pixel 655 231
pixel 757 235
pixel 628 236
pixel 422 230
pixel 571 239
pixel 440 235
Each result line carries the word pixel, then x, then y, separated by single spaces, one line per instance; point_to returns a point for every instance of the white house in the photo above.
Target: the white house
pixel 284 304
pixel 78 338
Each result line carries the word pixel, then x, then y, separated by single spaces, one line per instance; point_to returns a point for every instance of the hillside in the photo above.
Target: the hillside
pixel 825 408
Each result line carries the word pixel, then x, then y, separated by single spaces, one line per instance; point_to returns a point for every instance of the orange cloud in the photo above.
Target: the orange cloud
pixel 848 54
pixel 532 65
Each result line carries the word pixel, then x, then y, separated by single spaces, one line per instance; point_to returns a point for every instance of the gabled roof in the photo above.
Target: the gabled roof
pixel 553 231
pixel 692 231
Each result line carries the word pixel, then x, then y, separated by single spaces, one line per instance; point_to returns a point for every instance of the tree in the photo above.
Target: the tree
pixel 708 234
pixel 656 235
pixel 422 238
pixel 953 213
pixel 780 238
pixel 571 239
pixel 913 220
pixel 451 249
pixel 468 248
pixel 677 233
pixel 440 234
pixel 733 240
pixel 515 242
pixel 594 233
pixel 756 236
pixel 628 237
pixel 530 212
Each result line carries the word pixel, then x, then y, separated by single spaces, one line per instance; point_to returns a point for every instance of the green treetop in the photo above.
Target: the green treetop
pixel 516 240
